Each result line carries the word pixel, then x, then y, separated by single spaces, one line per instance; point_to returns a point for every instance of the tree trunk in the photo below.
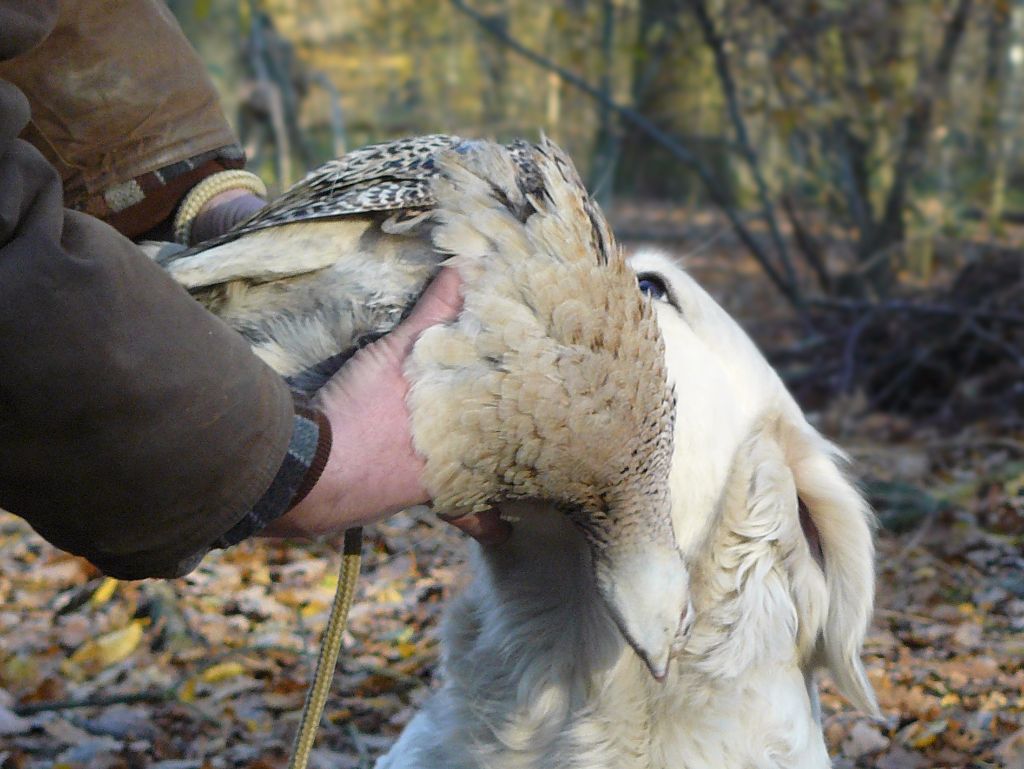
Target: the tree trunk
pixel 1010 95
pixel 880 241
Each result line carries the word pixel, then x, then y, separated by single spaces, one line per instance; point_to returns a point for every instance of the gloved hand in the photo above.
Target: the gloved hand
pixel 223 212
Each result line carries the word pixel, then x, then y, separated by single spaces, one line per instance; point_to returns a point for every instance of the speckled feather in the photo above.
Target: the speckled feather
pixel 556 348
pixel 392 176
pixel 339 258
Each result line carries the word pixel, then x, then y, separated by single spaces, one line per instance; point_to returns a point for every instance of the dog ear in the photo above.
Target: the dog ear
pixel 837 527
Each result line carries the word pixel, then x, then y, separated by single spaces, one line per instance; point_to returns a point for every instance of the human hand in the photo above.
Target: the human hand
pixel 373 470
pixel 223 212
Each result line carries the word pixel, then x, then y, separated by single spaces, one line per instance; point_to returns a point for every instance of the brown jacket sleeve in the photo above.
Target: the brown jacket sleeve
pixel 122 107
pixel 135 428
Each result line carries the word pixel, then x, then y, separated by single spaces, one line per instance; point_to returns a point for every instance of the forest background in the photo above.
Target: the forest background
pixel 847 178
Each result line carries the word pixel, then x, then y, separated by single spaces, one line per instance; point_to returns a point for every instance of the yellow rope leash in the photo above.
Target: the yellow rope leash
pixel 316 698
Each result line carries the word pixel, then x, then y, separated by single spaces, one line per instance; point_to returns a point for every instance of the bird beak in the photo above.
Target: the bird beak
pixel 647 593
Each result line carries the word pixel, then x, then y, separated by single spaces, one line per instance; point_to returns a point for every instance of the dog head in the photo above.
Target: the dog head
pixel 778 539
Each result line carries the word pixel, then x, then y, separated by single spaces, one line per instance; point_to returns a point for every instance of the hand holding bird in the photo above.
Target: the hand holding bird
pixel 373 471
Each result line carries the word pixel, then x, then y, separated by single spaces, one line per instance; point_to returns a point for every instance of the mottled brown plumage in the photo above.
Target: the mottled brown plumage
pixel 556 361
pixel 551 384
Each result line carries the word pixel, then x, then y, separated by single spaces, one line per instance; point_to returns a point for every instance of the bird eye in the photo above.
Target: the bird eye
pixel 652 285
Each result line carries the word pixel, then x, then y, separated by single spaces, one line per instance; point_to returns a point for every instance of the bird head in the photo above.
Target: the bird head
pixel 640 573
pixel 552 382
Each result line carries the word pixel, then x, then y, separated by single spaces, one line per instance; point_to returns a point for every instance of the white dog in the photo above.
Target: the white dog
pixel 778 545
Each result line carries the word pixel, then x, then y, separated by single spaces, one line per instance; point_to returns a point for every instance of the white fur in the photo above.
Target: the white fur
pixel 537 674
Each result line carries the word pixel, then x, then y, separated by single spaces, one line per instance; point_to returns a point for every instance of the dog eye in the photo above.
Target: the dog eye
pixel 652 285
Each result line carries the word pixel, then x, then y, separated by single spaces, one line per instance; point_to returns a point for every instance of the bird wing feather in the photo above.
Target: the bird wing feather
pixel 378 178
pixel 387 185
pixel 391 180
pixel 372 218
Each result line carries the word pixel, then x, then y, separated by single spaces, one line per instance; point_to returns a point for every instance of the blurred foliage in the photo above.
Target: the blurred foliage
pixel 866 129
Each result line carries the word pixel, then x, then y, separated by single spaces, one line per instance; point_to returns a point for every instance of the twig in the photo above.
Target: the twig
pixel 916 130
pixel 850 351
pixel 404 679
pixel 995 441
pixel 920 357
pixel 807 244
pixel 274 100
pixel 922 308
pixel 904 615
pixel 799 31
pixel 337 117
pixel 915 540
pixel 1000 344
pixel 360 744
pixel 716 43
pixel 101 701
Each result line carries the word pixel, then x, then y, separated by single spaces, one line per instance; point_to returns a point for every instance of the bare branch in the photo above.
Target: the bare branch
pixel 807 243
pixel 159 695
pixel 918 308
pixel 723 68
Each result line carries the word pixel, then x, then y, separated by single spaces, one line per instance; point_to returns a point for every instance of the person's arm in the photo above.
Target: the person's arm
pixel 121 106
pixel 136 429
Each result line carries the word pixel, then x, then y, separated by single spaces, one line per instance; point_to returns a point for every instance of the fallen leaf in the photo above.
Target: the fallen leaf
pixel 104 592
pixel 222 672
pixel 20 670
pixel 994 701
pixel 900 758
pixel 122 722
pixel 109 649
pixel 92 752
pixel 968 635
pixel 63 732
pixel 187 693
pixel 929 734
pixel 321 758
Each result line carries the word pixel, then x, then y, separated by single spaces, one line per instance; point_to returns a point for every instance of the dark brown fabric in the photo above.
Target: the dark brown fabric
pixel 323 453
pixel 116 93
pixel 308 452
pixel 135 428
pixel 25 25
pixel 161 200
